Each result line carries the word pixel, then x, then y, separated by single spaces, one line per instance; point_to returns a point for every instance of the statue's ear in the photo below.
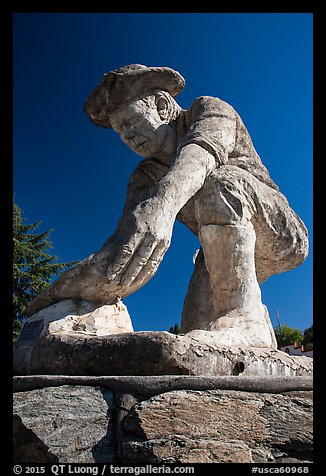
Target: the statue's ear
pixel 162 107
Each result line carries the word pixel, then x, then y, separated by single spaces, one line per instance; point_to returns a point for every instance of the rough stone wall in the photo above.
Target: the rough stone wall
pixel 219 426
pixel 88 423
pixel 75 423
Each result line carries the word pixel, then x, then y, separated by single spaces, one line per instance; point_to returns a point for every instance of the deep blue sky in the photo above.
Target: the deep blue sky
pixel 73 175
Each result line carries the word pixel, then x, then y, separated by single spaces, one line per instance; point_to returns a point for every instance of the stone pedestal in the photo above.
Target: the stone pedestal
pixel 151 353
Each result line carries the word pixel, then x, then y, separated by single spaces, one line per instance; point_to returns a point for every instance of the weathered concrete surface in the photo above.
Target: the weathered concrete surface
pixel 75 424
pixel 219 426
pixel 151 353
pixel 142 420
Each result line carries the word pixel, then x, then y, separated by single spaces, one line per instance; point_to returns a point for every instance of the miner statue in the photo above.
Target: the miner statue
pixel 199 167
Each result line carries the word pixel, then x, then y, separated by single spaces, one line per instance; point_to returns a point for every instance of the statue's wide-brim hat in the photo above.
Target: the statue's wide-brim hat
pixel 126 83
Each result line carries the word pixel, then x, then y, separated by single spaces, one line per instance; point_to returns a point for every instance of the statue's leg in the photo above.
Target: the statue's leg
pixel 240 316
pixel 248 232
pixel 227 208
pixel 198 308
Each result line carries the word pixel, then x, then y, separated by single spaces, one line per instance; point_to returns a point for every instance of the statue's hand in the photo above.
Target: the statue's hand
pixel 140 244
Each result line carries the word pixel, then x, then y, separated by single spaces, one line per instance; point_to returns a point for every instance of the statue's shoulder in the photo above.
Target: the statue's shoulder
pixel 209 105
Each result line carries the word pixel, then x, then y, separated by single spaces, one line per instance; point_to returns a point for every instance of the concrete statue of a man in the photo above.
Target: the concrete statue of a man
pixel 200 167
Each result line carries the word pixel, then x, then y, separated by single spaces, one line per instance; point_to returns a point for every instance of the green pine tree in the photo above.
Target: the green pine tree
pixel 33 266
pixel 175 329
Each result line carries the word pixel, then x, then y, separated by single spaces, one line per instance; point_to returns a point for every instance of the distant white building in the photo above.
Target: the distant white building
pixel 295 349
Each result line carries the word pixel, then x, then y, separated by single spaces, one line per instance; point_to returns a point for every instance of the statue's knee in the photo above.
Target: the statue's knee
pixel 220 206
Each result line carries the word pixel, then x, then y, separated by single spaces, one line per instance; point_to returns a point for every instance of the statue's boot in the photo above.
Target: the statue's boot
pixel 241 317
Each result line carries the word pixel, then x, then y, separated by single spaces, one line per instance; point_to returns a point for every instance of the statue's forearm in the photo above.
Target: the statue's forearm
pixel 144 233
pixel 186 176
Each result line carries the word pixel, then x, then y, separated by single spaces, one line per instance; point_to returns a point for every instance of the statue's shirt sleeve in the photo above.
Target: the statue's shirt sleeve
pixel 210 123
pixel 217 127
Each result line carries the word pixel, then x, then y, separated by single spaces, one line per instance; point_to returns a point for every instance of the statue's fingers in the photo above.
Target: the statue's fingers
pixel 120 259
pixel 139 260
pixel 150 268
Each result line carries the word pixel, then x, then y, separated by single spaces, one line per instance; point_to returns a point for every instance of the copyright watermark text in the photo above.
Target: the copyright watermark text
pixel 102 470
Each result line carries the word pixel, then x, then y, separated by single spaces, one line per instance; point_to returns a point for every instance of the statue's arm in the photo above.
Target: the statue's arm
pixel 144 233
pixel 187 175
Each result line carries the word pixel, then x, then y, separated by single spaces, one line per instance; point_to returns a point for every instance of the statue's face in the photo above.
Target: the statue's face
pixel 142 128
